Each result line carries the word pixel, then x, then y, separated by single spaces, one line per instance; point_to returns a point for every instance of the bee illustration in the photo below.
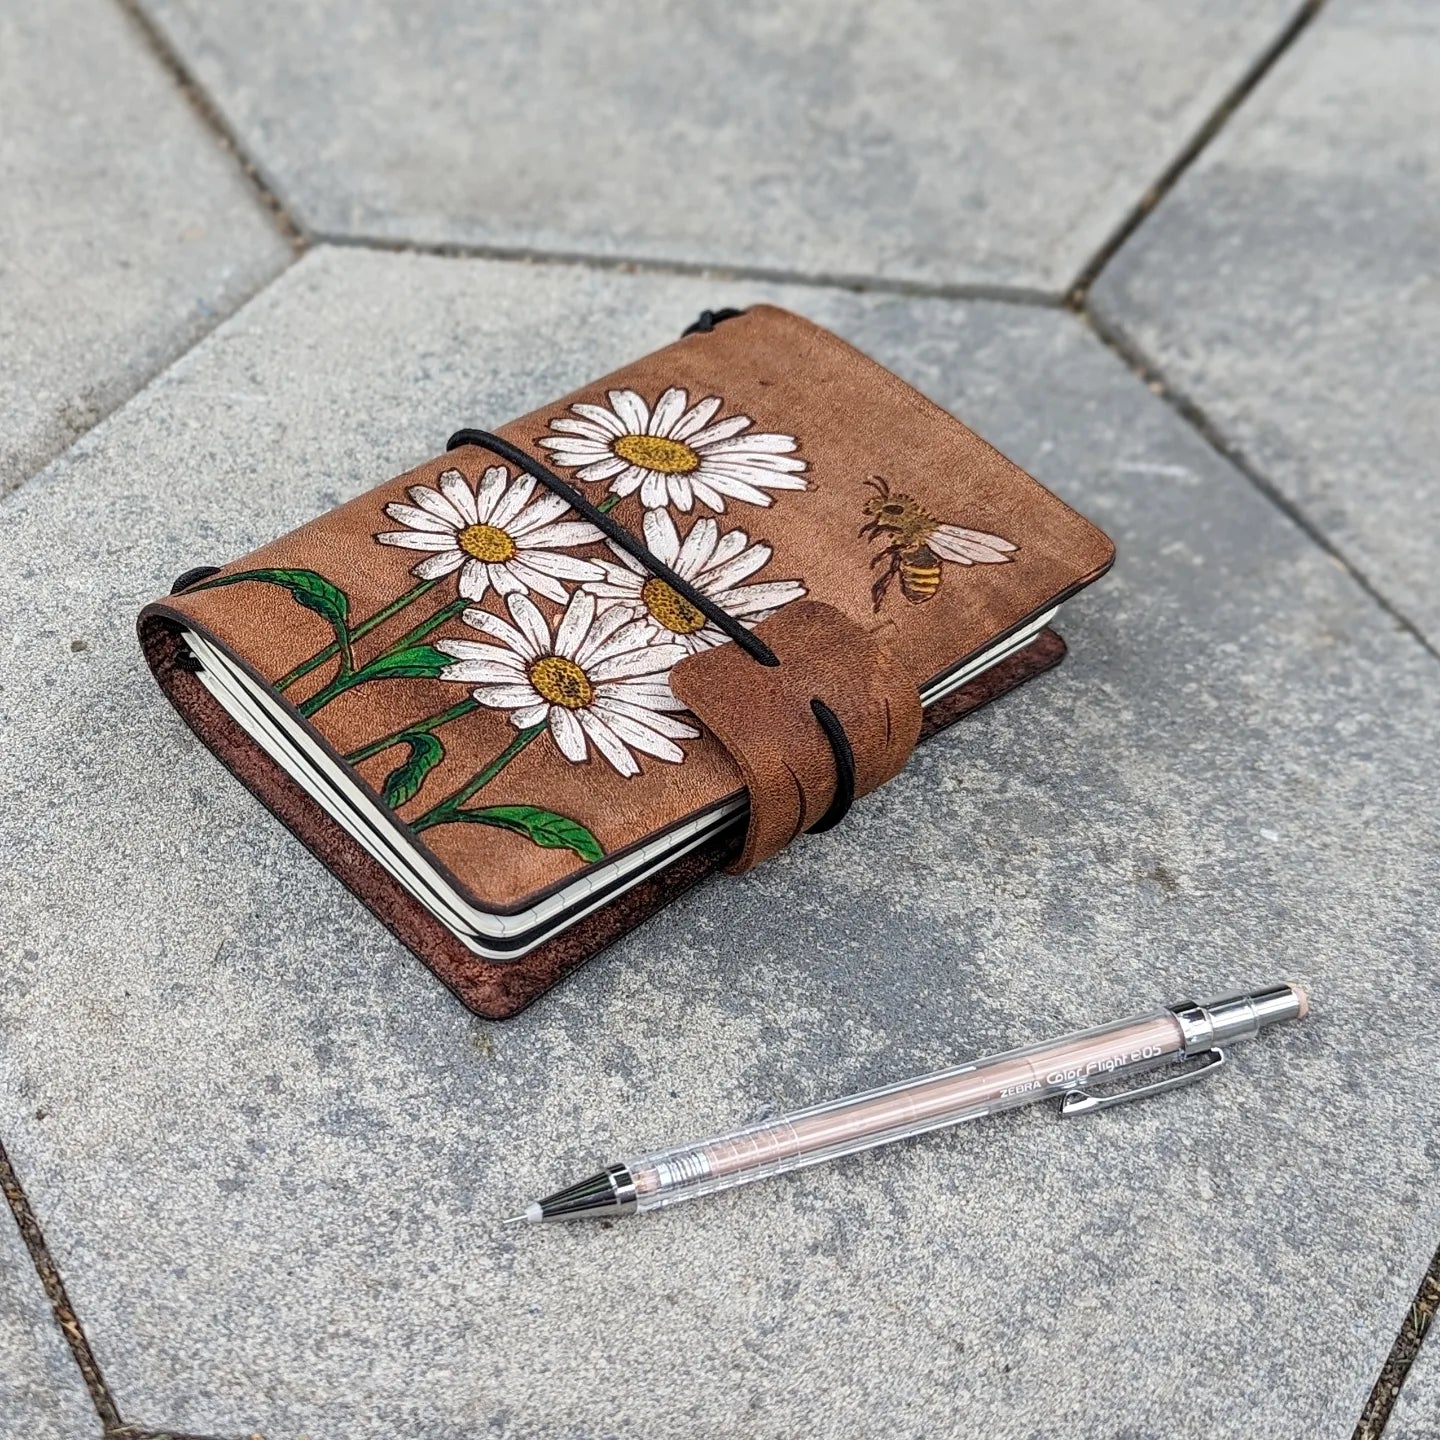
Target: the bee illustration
pixel 917 543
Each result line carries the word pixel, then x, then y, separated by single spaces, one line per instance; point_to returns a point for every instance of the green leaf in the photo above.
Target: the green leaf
pixel 544 827
pixel 405 780
pixel 414 662
pixel 307 588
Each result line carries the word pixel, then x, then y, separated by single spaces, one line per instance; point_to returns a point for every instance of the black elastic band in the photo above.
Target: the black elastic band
pixel 844 796
pixel 193 576
pixel 708 320
pixel 184 657
pixel 750 643
pixel 825 717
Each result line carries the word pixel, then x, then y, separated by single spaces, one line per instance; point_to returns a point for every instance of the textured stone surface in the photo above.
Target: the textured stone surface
pixel 126 231
pixel 276 1153
pixel 1290 285
pixel 41 1394
pixel 971 142
pixel 1417 1412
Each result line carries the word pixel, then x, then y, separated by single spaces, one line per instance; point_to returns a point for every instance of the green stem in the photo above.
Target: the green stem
pixel 349 679
pixel 450 806
pixel 431 725
pixel 446 612
pixel 323 697
pixel 381 616
pixel 361 630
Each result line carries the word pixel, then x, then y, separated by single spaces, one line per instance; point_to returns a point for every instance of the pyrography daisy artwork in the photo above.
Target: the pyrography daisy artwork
pixel 599 679
pixel 498 536
pixel 674 454
pixel 717 565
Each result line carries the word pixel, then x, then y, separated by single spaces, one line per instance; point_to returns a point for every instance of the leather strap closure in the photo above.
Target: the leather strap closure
pixel 766 719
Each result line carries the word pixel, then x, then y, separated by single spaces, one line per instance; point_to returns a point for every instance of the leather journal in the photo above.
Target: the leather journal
pixel 524 695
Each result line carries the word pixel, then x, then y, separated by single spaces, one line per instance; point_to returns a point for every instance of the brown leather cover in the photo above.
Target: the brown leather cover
pixel 762 715
pixel 522 700
pixel 493 989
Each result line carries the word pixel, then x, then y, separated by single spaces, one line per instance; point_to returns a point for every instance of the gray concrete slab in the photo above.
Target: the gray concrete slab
pixel 41 1394
pixel 1416 1415
pixel 967 143
pixel 276 1153
pixel 126 231
pixel 1290 286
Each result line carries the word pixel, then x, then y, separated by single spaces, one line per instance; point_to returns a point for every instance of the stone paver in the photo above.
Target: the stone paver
pixel 963 143
pixel 1417 1412
pixel 1290 285
pixel 126 231
pixel 277 1152
pixel 41 1394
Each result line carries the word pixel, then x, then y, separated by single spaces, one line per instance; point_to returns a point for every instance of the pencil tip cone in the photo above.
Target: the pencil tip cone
pixel 532 1214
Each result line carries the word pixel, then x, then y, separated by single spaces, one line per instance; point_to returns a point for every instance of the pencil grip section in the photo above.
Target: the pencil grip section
pixel 704 1167
pixel 901 1111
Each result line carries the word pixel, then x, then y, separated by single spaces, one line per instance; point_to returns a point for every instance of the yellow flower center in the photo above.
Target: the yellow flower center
pixel 486 542
pixel 671 608
pixel 655 452
pixel 562 682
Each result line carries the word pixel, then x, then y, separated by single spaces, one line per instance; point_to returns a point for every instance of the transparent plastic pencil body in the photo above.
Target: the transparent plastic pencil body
pixel 901 1111
pixel 1079 1069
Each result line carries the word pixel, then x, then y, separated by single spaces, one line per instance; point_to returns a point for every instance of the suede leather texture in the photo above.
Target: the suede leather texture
pixel 492 989
pixel 851 421
pixel 762 715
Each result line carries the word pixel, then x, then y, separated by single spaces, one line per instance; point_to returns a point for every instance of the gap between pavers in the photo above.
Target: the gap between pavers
pixel 42 1396
pixel 1289 289
pixel 127 231
pixel 968 144
pixel 1416 1415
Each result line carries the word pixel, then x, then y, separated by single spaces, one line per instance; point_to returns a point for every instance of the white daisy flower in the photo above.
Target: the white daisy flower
pixel 673 455
pixel 495 535
pixel 715 564
pixel 600 680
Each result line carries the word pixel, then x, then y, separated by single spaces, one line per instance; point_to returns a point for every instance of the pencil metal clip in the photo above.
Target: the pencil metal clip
pixel 1083 1102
